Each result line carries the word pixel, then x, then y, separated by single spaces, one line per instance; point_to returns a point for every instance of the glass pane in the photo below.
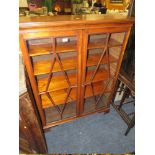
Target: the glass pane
pixel 113 69
pixel 115 52
pixel 39 46
pixel 103 102
pixel 52 115
pixel 89 105
pixel 118 37
pixel 55 70
pixel 97 102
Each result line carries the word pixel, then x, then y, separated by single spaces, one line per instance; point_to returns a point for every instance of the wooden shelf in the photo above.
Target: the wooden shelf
pixel 59 82
pixel 94 59
pixel 41 49
pixel 100 43
pixel 59 96
pixel 101 75
pixel 43 67
pixel 97 87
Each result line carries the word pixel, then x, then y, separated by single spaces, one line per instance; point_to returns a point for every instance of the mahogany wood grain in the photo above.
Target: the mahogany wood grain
pixel 59 82
pixel 31 22
pixel 43 67
pixel 58 98
pixel 79 64
pixel 47 32
pixel 94 58
pixel 108 29
pixel 60 95
pixel 83 73
pixel 101 75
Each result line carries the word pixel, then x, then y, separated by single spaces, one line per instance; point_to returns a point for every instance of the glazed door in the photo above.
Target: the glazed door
pixel 102 56
pixel 53 62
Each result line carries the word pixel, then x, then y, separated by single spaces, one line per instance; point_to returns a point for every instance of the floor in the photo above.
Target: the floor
pixel 98 133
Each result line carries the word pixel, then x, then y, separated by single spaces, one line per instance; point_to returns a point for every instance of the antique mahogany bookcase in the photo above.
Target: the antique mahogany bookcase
pixel 73 62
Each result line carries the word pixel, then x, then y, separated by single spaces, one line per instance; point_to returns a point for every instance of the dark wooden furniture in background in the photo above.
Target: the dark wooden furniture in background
pixel 125 83
pixel 131 12
pixel 110 4
pixel 128 63
pixel 63 4
pixel 31 137
pixel 73 63
pixel 126 87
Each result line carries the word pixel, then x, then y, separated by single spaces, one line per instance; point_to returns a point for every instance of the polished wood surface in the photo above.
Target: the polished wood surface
pixel 58 98
pixel 89 73
pixel 43 67
pixel 46 21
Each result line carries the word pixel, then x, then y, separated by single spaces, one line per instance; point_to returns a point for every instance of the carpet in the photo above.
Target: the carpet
pixel 98 133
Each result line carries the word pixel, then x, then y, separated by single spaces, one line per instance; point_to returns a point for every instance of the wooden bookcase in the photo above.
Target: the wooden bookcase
pixel 73 63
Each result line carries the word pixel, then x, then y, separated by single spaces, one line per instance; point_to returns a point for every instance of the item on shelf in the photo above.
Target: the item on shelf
pixel 32 6
pixel 27 13
pixel 50 14
pixel 119 12
pixel 45 11
pixel 49 5
pixel 85 4
pixel 76 1
pixel 57 8
pixel 103 10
